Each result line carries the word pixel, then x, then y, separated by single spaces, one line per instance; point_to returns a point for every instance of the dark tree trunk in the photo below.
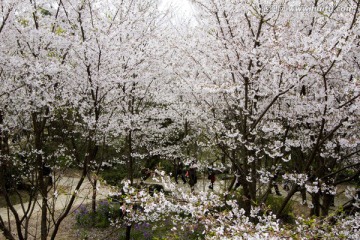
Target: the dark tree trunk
pixel 128 232
pixel 42 186
pixel 2 165
pixel 6 232
pixel 287 199
pixel 130 159
pixel 328 201
pixel 3 151
pixel 93 202
pixel 247 199
pixel 315 211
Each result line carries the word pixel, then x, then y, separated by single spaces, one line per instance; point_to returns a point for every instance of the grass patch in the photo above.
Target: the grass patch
pixel 90 224
pixel 275 202
pixel 113 176
pixel 102 218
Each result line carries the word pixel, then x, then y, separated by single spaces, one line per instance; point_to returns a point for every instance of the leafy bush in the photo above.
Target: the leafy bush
pixel 83 216
pixel 113 176
pixel 142 231
pixel 99 219
pixel 275 202
pixel 11 178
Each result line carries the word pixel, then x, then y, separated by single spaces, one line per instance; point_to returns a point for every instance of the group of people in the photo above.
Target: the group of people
pixel 187 175
pixel 190 175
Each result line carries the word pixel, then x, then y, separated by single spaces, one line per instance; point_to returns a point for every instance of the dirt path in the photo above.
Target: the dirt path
pixel 60 199
pixel 66 187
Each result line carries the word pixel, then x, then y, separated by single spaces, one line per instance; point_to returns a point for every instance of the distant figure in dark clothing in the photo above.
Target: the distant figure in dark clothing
pixel 287 185
pixel 180 171
pixel 192 177
pixel 302 190
pixel 274 183
pixel 155 188
pixel 212 178
pixel 145 174
pixel 46 171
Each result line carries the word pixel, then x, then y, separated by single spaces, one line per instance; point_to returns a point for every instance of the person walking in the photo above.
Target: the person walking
pixel 192 177
pixel 212 178
pixel 274 183
pixel 180 171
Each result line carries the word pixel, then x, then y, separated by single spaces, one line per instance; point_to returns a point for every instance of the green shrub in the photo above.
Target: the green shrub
pixel 83 216
pixel 99 219
pixel 113 176
pixel 275 202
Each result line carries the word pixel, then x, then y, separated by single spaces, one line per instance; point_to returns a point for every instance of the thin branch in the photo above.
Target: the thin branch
pixel 253 126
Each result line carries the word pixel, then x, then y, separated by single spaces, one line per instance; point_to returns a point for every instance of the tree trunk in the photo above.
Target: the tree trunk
pixel 130 159
pixel 315 197
pixel 128 232
pixel 44 218
pixel 93 201
pixel 6 232
pixel 287 199
pixel 253 181
pixel 247 199
pixel 38 127
pixel 2 165
pixel 327 202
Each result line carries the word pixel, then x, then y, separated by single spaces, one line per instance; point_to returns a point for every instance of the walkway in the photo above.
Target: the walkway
pixel 65 189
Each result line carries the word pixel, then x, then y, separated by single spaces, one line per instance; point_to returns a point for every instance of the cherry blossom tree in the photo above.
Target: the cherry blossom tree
pixel 221 218
pixel 270 91
pixel 258 67
pixel 72 67
pixel 31 69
